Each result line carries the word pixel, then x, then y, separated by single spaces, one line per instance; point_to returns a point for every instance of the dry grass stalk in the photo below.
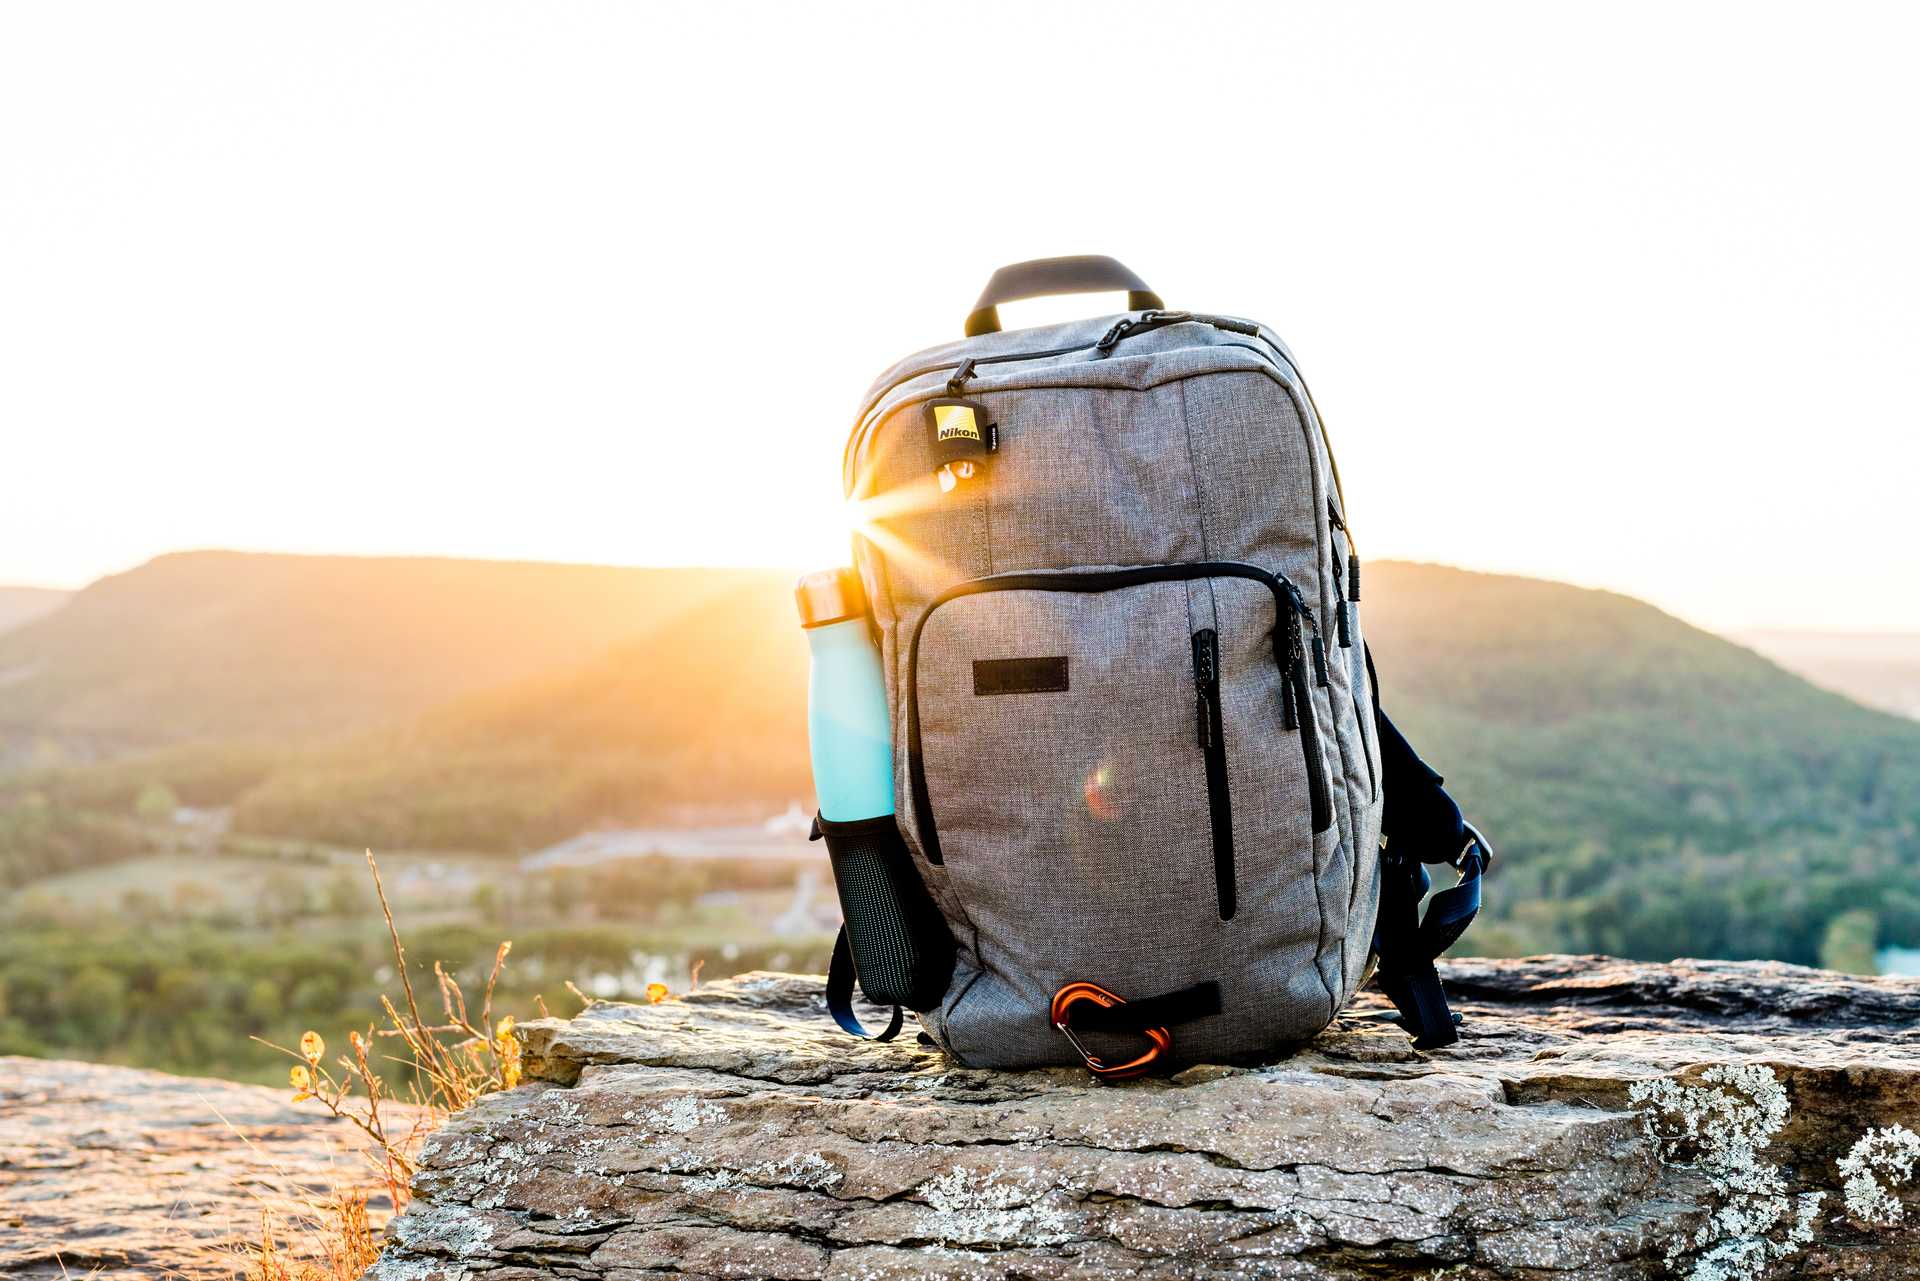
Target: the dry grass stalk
pixel 451 1063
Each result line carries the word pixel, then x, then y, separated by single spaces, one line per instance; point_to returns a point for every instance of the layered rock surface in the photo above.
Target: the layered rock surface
pixel 737 1133
pixel 113 1172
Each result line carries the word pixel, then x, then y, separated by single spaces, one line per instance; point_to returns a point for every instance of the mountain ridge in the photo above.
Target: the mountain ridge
pixel 1653 788
pixel 251 644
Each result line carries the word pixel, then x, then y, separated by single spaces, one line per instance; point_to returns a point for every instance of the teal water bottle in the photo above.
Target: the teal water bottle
pixel 848 731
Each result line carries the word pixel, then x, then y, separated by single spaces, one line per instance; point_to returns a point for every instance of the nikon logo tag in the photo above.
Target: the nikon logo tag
pixel 955 422
pixel 963 435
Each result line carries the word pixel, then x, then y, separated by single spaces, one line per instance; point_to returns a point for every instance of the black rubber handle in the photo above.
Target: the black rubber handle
pixel 1045 277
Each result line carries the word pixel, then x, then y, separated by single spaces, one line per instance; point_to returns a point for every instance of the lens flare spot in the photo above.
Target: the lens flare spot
pixel 1098 790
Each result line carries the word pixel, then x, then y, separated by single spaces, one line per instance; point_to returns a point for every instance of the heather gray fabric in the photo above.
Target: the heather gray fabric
pixel 1074 826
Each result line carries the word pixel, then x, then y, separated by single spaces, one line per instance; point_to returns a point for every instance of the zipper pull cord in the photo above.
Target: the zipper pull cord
pixel 1351 595
pixel 1203 681
pixel 1343 619
pixel 957 383
pixel 1353 555
pixel 1319 661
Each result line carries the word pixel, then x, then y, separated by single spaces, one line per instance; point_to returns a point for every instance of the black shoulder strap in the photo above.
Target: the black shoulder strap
pixel 840 978
pixel 1407 944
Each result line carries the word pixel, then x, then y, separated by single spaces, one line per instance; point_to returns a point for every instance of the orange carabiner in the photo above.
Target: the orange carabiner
pixel 1159 1039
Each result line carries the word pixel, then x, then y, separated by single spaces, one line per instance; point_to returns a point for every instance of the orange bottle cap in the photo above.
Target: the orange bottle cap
pixel 830 596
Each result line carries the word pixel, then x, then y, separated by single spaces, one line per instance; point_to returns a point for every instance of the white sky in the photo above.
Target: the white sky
pixel 1629 297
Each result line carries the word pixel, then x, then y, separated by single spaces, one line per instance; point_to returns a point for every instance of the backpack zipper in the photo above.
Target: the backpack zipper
pixel 1282 361
pixel 1149 320
pixel 1105 343
pixel 1213 742
pixel 1289 652
pixel 1346 602
pixel 1346 589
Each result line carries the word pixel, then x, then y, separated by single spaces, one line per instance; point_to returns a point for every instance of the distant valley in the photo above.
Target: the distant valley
pixel 197 752
pixel 1879 669
pixel 1658 789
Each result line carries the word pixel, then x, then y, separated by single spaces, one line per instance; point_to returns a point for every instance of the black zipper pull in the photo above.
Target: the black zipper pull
pixel 1294 662
pixel 1245 328
pixel 1319 661
pixel 957 383
pixel 1342 622
pixel 1353 559
pixel 1206 681
pixel 1121 328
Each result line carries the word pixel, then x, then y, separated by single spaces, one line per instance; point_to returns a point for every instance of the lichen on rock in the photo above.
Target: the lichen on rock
pixel 1890 1152
pixel 735 1133
pixel 1720 1126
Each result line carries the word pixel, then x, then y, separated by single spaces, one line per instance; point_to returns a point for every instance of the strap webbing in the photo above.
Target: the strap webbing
pixel 840 978
pixel 1422 1004
pixel 1408 945
pixel 1169 1009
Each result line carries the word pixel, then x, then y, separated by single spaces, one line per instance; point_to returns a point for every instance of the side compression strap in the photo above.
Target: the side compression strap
pixel 840 994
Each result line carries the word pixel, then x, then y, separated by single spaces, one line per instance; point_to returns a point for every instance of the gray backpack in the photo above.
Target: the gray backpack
pixel 1137 782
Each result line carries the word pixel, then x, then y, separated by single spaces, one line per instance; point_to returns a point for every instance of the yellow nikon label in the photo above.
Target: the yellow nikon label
pixel 955 422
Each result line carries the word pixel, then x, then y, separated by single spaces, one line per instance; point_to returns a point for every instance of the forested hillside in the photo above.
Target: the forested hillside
pixel 704 714
pixel 1655 790
pixel 202 646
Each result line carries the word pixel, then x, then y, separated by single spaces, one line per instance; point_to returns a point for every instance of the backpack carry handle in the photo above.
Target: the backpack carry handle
pixel 1045 277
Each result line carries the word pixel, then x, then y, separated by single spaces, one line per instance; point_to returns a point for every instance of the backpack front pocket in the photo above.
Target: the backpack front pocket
pixel 1113 767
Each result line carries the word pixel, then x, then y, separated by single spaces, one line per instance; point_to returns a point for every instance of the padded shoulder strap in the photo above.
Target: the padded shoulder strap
pixel 1406 943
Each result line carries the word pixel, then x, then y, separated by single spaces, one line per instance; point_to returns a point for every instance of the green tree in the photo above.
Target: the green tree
pixel 1850 942
pixel 96 1006
pixel 264 1004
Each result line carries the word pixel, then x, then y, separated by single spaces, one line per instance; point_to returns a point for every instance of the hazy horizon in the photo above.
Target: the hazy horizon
pixel 1753 636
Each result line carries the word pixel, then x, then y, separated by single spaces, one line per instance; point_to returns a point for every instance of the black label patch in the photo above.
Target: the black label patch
pixel 1019 675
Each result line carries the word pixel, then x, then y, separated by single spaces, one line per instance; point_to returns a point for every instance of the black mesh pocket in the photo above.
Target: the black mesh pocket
pixel 902 950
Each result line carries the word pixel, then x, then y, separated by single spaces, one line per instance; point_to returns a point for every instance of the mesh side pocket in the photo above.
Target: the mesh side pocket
pixel 902 950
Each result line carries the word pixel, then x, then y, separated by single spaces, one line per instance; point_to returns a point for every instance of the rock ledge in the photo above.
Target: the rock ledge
pixel 736 1133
